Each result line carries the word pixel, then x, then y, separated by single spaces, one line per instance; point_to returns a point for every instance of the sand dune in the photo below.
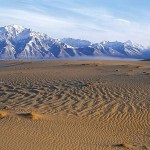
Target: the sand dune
pixel 74 105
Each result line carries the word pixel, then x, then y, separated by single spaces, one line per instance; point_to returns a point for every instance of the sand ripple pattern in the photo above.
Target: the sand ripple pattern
pixel 74 105
pixel 77 97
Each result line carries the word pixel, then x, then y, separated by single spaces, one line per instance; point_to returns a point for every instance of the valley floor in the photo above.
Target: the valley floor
pixel 74 105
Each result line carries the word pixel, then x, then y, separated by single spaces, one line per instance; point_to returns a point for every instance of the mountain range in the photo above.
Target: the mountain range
pixel 17 42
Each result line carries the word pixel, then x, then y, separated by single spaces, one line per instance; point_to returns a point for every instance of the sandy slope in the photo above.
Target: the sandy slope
pixel 74 105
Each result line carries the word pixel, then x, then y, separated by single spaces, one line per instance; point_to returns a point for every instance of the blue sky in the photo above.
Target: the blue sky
pixel 94 20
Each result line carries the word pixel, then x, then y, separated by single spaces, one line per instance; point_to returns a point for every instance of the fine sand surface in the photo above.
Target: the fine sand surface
pixel 74 105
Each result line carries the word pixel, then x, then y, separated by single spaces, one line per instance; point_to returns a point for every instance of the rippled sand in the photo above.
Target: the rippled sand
pixel 74 105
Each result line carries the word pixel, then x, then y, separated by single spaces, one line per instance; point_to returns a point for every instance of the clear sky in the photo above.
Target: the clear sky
pixel 94 20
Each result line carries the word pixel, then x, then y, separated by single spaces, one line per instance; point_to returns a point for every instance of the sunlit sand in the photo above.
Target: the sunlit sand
pixel 74 105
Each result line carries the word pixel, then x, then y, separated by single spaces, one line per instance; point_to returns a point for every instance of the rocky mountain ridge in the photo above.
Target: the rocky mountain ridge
pixel 17 42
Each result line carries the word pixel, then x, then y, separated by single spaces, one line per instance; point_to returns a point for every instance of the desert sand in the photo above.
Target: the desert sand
pixel 74 105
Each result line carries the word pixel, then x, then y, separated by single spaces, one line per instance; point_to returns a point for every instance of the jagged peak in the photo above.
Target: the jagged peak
pixel 133 44
pixel 104 42
pixel 129 42
pixel 14 27
pixel 17 26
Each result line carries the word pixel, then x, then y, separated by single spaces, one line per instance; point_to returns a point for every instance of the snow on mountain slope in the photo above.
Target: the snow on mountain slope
pixel 10 32
pixel 76 42
pixel 17 42
pixel 22 43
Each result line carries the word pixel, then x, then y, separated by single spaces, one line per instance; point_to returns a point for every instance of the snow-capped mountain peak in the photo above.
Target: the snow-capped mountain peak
pixel 14 29
pixel 129 42
pixel 10 31
pixel 133 44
